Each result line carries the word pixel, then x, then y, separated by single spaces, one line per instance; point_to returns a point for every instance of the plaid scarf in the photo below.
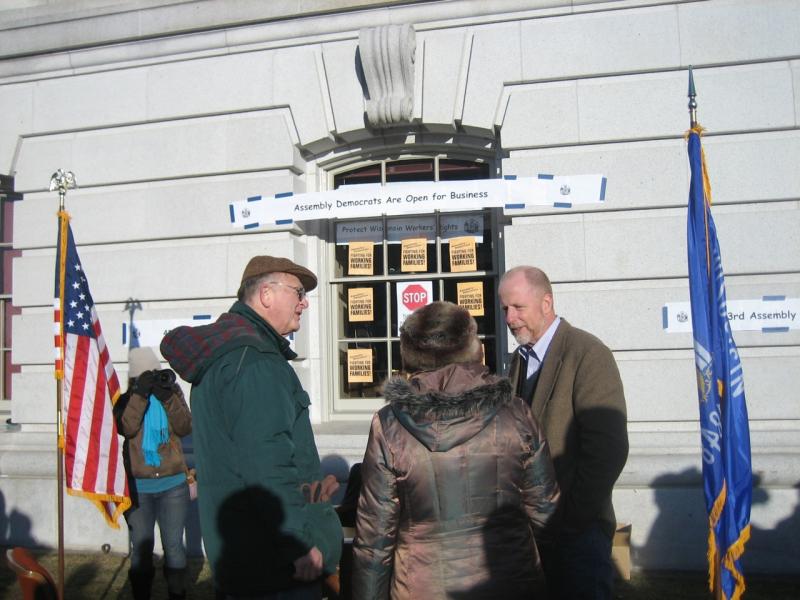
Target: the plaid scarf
pixel 191 350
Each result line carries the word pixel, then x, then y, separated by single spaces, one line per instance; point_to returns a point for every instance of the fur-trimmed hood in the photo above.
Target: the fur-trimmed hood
pixel 449 406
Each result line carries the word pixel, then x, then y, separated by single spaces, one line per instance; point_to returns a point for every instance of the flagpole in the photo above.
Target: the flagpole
pixel 692 126
pixel 61 181
pixel 692 101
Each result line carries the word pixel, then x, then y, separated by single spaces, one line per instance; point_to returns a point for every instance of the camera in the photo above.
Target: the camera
pixel 164 377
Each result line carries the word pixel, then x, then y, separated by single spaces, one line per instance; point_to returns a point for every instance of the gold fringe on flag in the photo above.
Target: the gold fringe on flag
pixel 713 519
pixel 122 503
pixel 733 554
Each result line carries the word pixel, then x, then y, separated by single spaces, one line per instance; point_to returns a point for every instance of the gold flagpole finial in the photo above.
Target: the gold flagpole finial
pixel 62 181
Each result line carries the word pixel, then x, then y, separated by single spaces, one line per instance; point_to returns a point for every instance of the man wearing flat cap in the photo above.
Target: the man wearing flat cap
pixel 264 534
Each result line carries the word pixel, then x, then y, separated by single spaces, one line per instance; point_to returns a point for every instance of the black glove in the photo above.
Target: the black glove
pixel 143 385
pixel 162 391
pixel 164 384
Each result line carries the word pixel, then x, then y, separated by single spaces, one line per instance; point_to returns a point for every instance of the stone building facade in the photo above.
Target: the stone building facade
pixel 169 112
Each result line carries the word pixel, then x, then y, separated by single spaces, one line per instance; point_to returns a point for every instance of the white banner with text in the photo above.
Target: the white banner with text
pixel 768 314
pixel 372 200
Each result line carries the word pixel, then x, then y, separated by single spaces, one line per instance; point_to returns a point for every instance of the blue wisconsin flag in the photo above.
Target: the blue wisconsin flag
pixel 725 432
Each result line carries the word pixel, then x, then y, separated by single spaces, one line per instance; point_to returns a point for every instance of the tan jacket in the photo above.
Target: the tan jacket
pixel 129 413
pixel 580 403
pixel 456 479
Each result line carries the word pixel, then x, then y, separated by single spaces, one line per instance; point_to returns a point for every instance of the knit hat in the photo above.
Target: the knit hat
pixel 261 265
pixel 438 334
pixel 141 360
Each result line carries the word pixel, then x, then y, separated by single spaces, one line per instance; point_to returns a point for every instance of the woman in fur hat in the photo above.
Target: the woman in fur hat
pixel 457 475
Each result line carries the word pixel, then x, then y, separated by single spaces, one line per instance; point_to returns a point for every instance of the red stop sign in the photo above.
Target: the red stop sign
pixel 414 296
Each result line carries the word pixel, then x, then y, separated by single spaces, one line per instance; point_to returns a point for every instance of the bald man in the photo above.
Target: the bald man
pixel 571 382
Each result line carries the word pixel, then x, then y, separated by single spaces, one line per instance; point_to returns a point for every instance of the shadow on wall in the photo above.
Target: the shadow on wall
pixel 775 549
pixel 678 539
pixel 678 536
pixel 15 530
pixel 15 527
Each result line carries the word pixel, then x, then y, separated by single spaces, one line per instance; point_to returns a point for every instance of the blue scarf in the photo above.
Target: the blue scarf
pixel 156 431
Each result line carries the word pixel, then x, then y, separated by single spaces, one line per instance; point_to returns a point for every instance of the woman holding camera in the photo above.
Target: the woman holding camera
pixel 152 416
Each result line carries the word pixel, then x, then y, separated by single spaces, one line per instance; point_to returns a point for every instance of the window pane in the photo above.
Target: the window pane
pixel 489 345
pixel 454 170
pixel 486 321
pixel 395 259
pixel 410 170
pixel 406 228
pixel 397 361
pixel 8 369
pixel 343 256
pixel 370 174
pixel 477 224
pixel 376 325
pixel 435 293
pixel 363 389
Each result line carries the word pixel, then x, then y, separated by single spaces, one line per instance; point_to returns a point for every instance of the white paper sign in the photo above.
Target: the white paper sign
pixel 417 197
pixel 150 332
pixel 450 226
pixel 411 295
pixel 769 314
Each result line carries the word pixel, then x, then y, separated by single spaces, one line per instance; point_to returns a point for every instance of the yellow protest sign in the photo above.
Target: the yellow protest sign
pixel 414 255
pixel 360 304
pixel 360 258
pixel 470 296
pixel 359 365
pixel 463 254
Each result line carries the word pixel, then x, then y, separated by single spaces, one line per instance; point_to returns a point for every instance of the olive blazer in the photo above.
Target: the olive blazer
pixel 580 404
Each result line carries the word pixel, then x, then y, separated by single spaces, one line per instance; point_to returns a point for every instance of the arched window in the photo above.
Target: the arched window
pixel 369 302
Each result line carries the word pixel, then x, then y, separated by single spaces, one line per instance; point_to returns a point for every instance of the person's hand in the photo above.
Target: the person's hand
pixel 328 487
pixel 320 491
pixel 143 385
pixel 309 566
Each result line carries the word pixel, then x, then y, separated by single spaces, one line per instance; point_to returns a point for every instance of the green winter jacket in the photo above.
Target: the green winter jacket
pixel 254 448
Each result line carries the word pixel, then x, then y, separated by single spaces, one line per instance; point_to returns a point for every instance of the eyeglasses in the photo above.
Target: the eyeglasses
pixel 301 291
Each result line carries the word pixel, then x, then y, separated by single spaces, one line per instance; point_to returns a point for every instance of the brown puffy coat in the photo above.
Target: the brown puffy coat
pixel 129 412
pixel 457 477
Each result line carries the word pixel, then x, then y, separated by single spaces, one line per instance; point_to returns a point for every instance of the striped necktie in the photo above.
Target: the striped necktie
pixel 531 366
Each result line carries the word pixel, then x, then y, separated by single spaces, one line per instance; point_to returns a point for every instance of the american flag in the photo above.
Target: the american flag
pixel 92 453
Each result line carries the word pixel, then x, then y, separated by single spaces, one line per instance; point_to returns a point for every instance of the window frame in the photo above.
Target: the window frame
pixel 343 407
pixel 7 253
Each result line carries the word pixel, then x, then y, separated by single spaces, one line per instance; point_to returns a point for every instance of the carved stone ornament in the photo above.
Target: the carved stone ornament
pixel 387 57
